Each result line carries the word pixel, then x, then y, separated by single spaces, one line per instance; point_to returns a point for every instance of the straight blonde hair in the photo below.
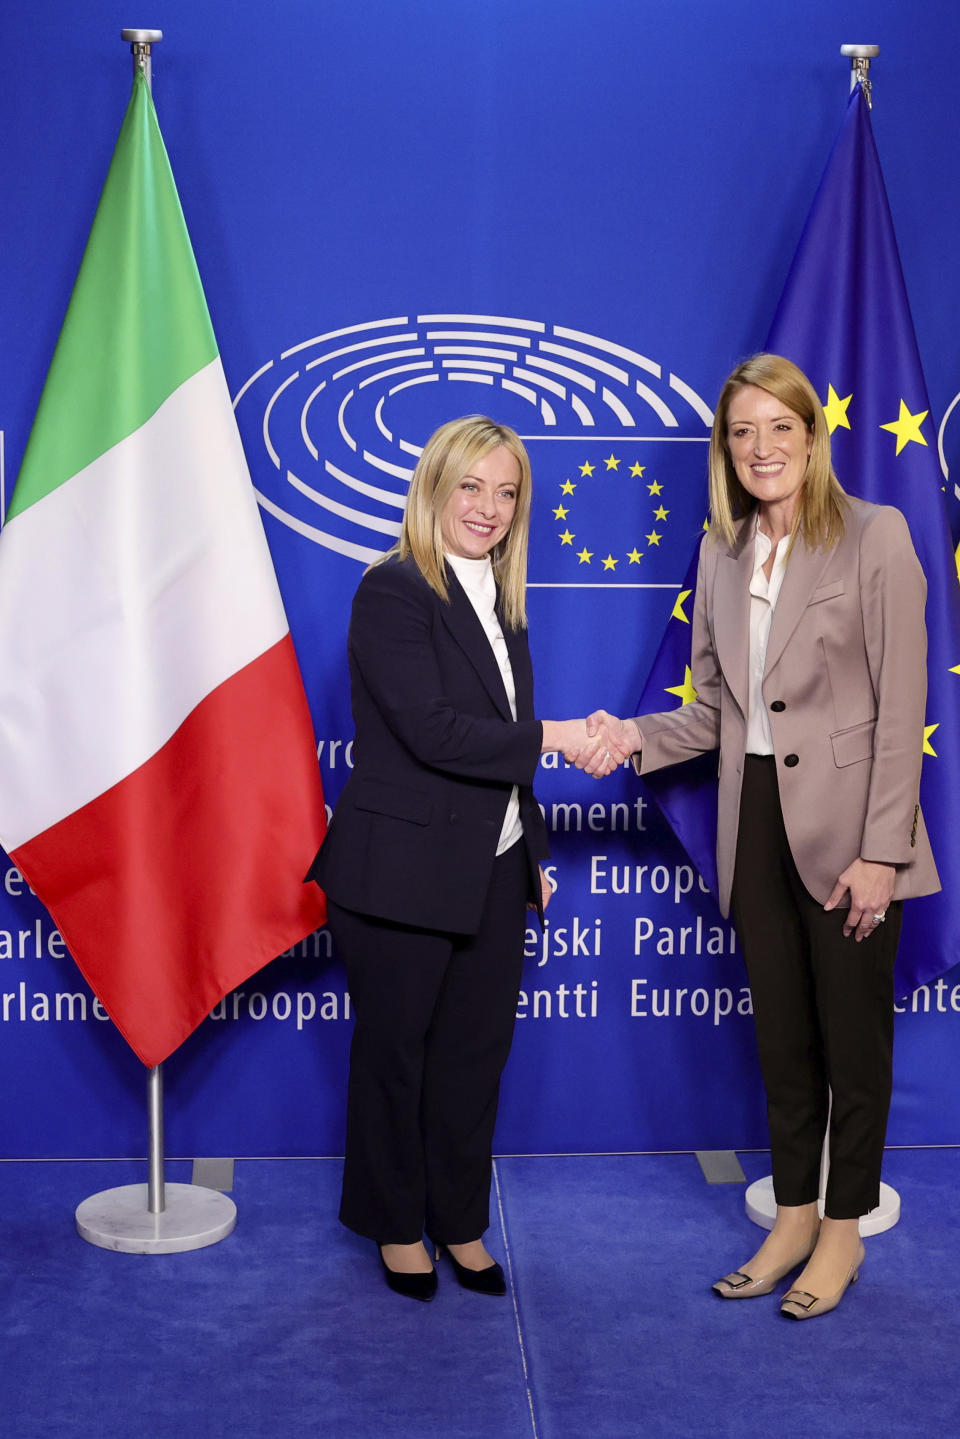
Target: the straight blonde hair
pixel 823 503
pixel 449 454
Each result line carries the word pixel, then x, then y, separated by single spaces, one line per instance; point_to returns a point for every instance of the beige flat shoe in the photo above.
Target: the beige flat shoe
pixel 740 1285
pixel 798 1304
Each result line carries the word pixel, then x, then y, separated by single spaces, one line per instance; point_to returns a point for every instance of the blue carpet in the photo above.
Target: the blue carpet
pixel 284 1329
pixel 624 1338
pixel 287 1329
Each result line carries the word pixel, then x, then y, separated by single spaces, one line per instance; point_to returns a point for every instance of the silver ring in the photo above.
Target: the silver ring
pixel 606 754
pixel 879 918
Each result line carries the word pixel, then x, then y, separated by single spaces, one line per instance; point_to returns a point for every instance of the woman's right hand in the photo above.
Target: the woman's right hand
pixel 598 745
pixel 568 736
pixel 611 741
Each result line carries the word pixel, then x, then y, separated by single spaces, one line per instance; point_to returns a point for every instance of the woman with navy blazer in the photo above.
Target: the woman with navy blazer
pixel 434 853
pixel 809 662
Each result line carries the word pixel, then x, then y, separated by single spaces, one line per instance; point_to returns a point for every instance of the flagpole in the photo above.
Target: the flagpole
pixel 155 1218
pixel 156 1198
pixel 759 1200
pixel 860 57
pixel 141 43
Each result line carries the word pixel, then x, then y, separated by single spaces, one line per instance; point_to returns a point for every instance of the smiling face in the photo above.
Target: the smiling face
pixel 769 445
pixel 480 510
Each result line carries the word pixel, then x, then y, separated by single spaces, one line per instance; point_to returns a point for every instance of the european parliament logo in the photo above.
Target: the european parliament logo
pixel 617 443
pixel 948 446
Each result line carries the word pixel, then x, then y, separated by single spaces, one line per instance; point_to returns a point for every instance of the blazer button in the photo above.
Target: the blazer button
pixel 778 707
pixel 453 816
pixel 790 760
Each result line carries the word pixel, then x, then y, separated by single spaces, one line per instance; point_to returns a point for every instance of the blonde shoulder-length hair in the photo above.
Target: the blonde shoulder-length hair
pixel 449 454
pixel 823 503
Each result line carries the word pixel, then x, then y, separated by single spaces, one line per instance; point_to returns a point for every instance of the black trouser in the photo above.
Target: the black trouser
pixel 823 1008
pixel 434 1023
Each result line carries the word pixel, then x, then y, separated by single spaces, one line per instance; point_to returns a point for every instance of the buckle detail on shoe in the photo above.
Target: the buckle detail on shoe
pixel 793 1298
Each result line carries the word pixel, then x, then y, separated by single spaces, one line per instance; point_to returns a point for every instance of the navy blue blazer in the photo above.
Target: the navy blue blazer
pixel 436 754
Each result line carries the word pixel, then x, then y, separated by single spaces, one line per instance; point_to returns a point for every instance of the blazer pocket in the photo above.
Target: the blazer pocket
pixel 393 800
pixel 827 592
pixel 853 744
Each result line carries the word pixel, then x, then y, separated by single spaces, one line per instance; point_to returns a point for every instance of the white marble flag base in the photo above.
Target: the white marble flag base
pixel 192 1218
pixel 762 1207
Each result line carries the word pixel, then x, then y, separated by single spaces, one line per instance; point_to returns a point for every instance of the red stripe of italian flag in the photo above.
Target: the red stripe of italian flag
pixel 158 780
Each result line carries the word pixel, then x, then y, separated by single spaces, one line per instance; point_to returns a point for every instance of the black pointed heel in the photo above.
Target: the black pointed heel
pixel 411 1286
pixel 479 1281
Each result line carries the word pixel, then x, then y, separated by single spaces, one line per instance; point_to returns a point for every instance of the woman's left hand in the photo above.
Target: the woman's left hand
pixel 546 892
pixel 871 890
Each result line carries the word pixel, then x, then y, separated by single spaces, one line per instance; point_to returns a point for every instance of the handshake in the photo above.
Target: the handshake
pixel 598 744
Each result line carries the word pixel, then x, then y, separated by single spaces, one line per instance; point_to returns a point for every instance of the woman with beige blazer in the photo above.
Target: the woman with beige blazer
pixel 809 662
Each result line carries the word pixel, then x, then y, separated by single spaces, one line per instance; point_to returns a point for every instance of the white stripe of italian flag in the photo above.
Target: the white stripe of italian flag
pixel 159 788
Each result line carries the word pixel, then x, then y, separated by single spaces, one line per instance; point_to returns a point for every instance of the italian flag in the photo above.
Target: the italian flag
pixel 159 787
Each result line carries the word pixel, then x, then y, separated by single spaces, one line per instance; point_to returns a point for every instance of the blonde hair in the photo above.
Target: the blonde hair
pixel 822 504
pixel 449 454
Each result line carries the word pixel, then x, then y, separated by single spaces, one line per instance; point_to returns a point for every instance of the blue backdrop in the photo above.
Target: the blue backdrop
pixel 576 216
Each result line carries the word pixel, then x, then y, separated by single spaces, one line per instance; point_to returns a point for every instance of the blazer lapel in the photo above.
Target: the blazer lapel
pixel 731 612
pixel 462 621
pixel 804 568
pixel 519 651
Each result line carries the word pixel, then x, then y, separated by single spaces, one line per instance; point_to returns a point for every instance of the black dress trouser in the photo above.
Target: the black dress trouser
pixel 823 1009
pixel 434 1023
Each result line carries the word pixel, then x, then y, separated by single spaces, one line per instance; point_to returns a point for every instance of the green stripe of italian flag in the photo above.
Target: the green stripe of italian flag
pixel 158 780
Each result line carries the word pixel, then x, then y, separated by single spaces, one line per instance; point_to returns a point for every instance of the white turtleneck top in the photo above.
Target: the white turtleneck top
pixel 479 585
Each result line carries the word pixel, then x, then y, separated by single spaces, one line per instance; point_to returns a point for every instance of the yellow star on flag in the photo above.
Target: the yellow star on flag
pixel 635 556
pixel 566 538
pixel 585 556
pixel 906 427
pixel 955 669
pixel 685 692
pixel 677 612
pixel 567 488
pixel 654 487
pixel 560 513
pixel 586 468
pixel 660 513
pixel 928 730
pixel 835 410
pixel 653 538
pixel 637 470
pixel 612 463
pixel 609 563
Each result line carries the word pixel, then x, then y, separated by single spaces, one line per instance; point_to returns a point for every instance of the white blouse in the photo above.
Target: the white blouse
pixel 480 587
pixel 764 594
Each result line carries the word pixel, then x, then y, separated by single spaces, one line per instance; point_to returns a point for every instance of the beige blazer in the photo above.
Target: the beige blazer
pixel 845 688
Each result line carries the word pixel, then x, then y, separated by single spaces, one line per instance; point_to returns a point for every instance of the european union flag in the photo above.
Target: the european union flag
pixel 613 512
pixel 844 318
pixel 686 793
